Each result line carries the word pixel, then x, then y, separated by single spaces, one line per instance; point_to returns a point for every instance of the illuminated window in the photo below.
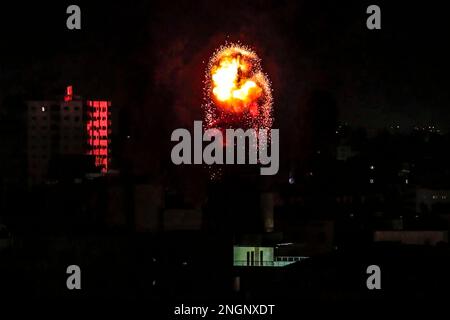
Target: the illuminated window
pixel 97 127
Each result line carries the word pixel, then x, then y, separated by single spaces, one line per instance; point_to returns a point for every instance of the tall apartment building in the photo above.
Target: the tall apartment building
pixel 68 134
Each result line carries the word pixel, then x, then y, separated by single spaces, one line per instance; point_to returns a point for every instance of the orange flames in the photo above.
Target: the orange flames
pixel 236 86
pixel 232 84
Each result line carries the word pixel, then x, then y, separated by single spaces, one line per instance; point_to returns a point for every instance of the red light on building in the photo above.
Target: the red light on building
pixel 69 94
pixel 98 128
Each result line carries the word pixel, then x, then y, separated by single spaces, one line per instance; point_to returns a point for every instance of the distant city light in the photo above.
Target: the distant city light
pixel 371 181
pixel 285 244
pixel 372 167
pixel 291 180
pixel 43 109
pixel 406 181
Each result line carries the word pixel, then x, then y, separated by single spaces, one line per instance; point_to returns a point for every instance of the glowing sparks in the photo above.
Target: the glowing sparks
pixel 237 92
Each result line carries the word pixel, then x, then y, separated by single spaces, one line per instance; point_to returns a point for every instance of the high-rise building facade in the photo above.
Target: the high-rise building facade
pixel 98 130
pixel 63 134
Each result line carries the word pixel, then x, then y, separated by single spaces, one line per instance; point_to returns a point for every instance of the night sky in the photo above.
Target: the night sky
pixel 149 58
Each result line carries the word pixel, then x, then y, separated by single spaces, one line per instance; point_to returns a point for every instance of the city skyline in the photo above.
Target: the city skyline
pixel 134 153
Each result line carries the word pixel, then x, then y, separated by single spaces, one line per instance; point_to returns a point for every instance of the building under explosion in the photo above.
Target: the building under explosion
pixel 237 95
pixel 68 135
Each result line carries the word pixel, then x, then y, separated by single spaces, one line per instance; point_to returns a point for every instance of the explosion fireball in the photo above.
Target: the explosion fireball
pixel 237 92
